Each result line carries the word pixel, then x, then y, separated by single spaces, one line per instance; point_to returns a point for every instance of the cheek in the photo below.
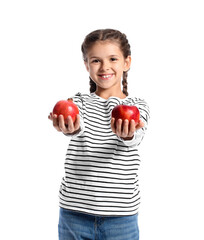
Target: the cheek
pixel 93 69
pixel 119 70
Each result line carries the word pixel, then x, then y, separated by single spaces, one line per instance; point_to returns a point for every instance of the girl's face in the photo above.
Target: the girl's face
pixel 106 64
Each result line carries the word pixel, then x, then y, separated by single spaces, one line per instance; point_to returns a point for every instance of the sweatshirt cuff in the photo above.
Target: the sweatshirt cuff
pixel 136 140
pixel 128 142
pixel 77 133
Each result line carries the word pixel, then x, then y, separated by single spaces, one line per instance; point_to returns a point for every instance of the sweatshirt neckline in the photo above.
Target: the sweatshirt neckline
pixel 111 97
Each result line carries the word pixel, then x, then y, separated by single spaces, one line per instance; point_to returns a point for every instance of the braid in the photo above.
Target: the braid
pixel 125 83
pixel 92 85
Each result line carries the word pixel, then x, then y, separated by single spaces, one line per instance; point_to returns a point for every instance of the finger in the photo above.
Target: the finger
pixel 61 123
pixel 139 125
pixel 119 127
pixel 125 128
pixel 56 122
pixel 50 116
pixel 131 128
pixel 113 125
pixel 77 122
pixel 70 127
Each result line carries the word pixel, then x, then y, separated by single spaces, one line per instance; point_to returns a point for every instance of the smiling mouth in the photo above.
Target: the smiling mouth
pixel 105 76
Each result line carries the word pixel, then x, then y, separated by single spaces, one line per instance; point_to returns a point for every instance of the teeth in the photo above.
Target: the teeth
pixel 106 76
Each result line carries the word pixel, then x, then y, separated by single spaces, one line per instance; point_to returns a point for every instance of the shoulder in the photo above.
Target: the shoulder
pixel 81 97
pixel 140 103
pixel 84 98
pixel 135 101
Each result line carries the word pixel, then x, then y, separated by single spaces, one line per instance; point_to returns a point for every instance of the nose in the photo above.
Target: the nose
pixel 105 66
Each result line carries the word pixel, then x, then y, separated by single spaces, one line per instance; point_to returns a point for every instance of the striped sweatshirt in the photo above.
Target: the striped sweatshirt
pixel 101 169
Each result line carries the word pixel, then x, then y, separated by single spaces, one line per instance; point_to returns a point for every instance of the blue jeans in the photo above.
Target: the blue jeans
pixel 79 226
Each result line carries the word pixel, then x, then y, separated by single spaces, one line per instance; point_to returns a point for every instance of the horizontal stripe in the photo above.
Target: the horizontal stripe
pixel 80 140
pixel 98 155
pixel 89 161
pixel 88 201
pixel 75 180
pixel 99 204
pixel 89 176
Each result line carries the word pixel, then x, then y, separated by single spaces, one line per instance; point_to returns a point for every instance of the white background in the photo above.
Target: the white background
pixel 41 63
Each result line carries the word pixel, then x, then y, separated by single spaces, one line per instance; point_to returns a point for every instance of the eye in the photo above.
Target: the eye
pixel 95 61
pixel 113 59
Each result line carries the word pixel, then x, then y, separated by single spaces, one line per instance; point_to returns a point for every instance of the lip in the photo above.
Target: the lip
pixel 106 76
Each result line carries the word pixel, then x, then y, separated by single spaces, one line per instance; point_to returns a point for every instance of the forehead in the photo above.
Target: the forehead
pixel 104 48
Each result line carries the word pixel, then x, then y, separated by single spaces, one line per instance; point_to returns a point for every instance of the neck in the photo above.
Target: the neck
pixel 107 94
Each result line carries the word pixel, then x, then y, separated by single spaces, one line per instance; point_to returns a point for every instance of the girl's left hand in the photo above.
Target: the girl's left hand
pixel 125 129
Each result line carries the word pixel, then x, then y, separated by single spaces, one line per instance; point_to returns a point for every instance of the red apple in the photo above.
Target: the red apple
pixel 126 112
pixel 66 108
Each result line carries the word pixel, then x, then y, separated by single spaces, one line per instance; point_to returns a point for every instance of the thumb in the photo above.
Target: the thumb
pixel 139 125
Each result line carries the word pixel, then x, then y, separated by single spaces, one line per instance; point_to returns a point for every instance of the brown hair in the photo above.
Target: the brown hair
pixel 102 35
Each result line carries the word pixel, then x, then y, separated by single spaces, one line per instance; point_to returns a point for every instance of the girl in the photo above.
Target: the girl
pixel 99 195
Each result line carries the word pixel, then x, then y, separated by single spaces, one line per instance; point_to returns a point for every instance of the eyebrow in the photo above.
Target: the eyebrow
pixel 108 56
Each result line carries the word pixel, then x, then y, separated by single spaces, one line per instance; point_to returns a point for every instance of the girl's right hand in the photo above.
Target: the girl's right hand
pixel 60 126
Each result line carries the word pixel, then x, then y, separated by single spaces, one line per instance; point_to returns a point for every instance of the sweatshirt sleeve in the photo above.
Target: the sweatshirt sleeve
pixel 144 117
pixel 78 100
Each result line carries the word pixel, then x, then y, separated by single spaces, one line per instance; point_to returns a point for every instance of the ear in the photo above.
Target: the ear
pixel 127 63
pixel 86 65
